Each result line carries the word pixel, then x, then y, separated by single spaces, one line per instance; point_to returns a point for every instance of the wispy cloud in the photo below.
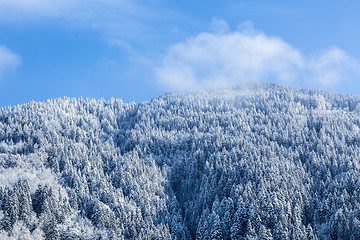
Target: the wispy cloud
pixel 122 45
pixel 109 14
pixel 332 67
pixel 18 9
pixel 8 61
pixel 228 57
pixel 89 13
pixel 126 20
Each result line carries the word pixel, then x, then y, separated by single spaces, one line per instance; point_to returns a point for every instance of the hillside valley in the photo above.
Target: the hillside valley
pixel 253 161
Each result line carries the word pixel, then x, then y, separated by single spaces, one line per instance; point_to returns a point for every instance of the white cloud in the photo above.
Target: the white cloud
pixel 8 60
pixel 225 57
pixel 332 67
pixel 219 26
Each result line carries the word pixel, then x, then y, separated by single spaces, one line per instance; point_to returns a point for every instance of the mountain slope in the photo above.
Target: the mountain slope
pixel 253 161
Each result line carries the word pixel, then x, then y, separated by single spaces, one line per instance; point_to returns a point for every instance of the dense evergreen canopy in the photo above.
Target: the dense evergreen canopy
pixel 255 161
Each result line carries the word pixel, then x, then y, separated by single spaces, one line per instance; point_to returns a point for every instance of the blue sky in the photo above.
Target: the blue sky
pixel 138 50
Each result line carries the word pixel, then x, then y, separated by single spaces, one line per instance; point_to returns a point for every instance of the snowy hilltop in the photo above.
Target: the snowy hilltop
pixel 254 161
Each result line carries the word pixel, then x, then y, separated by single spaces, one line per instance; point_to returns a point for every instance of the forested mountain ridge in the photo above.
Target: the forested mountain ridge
pixel 254 161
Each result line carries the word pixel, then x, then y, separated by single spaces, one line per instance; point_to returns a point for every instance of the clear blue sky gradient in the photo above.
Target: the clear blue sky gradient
pixel 107 51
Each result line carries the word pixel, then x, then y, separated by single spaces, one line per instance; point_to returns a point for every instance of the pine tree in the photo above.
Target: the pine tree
pixel 50 227
pixel 355 230
pixel 38 199
pixel 25 205
pixel 264 234
pixel 11 210
pixel 216 230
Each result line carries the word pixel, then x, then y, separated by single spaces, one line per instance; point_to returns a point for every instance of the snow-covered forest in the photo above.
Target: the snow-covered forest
pixel 255 161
